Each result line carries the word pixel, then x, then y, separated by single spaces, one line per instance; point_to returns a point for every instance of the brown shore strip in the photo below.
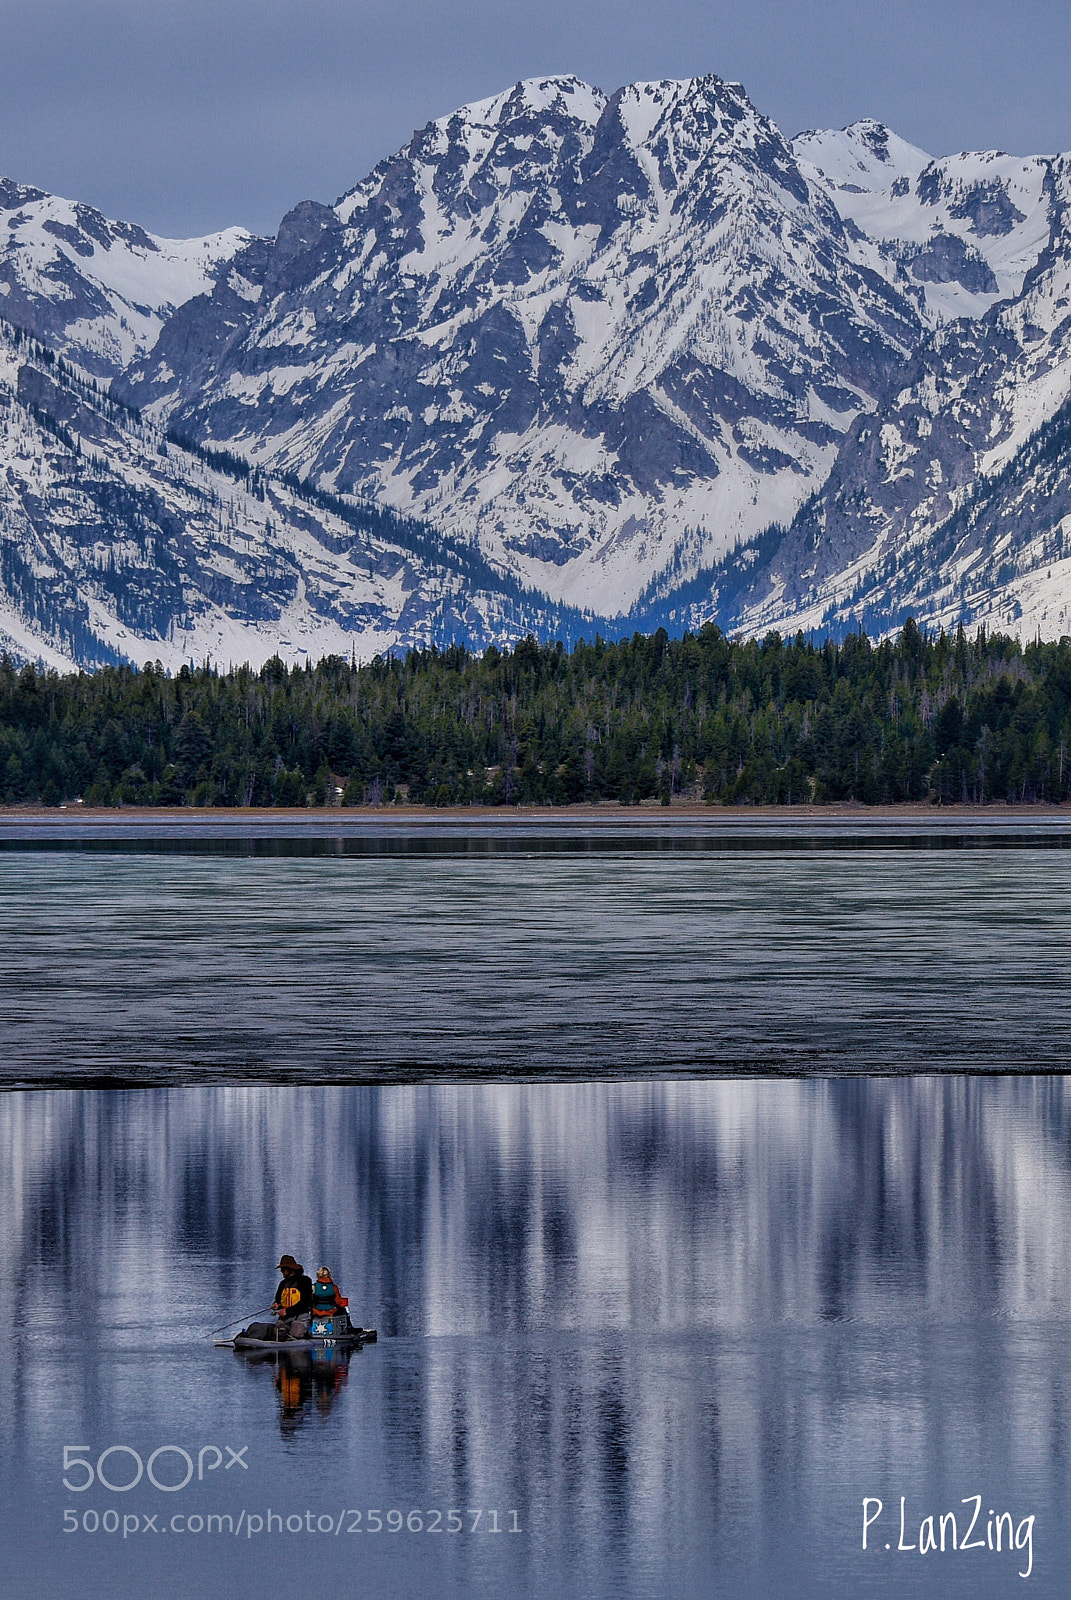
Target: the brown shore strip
pixel 607 814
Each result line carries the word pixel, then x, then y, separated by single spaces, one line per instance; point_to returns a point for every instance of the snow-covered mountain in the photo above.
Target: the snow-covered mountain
pixel 633 354
pixel 605 337
pixel 953 501
pixel 967 228
pixel 118 544
pixel 97 291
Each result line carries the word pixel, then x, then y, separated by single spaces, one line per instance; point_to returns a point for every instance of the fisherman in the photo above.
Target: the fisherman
pixel 293 1299
pixel 291 1306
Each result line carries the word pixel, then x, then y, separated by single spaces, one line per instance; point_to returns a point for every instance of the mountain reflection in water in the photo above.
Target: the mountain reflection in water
pixel 684 1327
pixel 507 1207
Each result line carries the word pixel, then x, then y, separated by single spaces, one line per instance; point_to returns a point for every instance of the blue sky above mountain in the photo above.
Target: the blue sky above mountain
pixel 197 116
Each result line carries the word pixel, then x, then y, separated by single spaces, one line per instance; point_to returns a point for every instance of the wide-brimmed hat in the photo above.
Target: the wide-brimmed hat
pixel 288 1264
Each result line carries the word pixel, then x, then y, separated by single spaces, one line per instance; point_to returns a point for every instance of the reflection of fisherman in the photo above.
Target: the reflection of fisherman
pixel 301 1375
pixel 293 1298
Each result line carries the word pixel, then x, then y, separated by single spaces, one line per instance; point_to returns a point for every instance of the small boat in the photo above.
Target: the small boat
pixel 327 1332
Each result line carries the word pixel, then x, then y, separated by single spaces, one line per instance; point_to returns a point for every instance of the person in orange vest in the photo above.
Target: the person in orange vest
pixel 326 1299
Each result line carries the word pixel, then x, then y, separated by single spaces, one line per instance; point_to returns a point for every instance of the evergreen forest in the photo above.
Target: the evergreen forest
pixel 948 718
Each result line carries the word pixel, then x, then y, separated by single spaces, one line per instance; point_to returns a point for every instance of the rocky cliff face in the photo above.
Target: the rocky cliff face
pixel 952 500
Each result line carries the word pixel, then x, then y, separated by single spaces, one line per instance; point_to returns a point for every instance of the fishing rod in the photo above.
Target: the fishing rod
pixel 249 1318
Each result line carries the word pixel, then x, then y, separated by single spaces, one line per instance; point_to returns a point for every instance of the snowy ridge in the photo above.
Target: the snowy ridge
pixel 966 228
pixel 620 359
pixel 116 544
pixel 919 511
pixel 98 291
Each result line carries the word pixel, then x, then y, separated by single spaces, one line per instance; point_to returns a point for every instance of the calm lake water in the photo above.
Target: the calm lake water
pixel 665 1331
pixel 371 957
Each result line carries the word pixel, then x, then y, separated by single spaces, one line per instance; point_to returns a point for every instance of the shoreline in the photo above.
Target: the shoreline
pixel 693 818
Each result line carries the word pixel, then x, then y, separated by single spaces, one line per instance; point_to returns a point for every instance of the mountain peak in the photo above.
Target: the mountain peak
pixel 596 342
pixel 530 97
pixel 98 290
pixel 864 157
pixel 708 98
pixel 574 325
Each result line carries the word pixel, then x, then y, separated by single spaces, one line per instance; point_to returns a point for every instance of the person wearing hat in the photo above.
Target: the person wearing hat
pixel 293 1300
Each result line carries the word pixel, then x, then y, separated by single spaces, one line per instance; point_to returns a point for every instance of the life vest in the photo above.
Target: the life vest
pixel 290 1297
pixel 325 1297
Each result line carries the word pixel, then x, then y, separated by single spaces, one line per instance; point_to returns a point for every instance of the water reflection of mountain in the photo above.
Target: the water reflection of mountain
pixel 648 1313
pixel 458 1210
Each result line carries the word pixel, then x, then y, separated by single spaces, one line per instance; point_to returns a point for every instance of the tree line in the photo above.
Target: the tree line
pixel 948 718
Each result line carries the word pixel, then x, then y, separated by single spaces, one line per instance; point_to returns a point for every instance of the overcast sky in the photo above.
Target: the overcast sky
pixel 190 115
